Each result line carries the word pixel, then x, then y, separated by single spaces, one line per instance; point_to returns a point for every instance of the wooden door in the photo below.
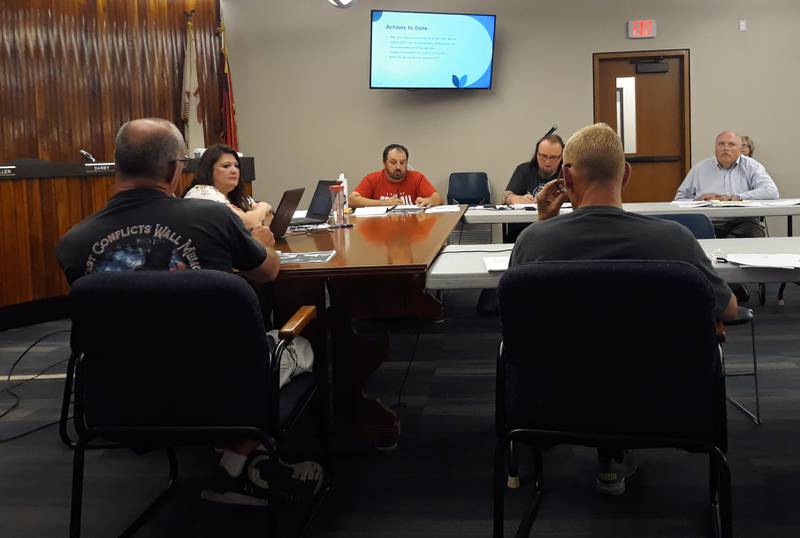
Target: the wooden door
pixel 659 146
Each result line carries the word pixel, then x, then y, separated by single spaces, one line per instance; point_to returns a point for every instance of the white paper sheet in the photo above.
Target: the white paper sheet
pixel 691 203
pixel 307 257
pixel 496 263
pixel 372 211
pixel 785 202
pixel 777 261
pixel 443 209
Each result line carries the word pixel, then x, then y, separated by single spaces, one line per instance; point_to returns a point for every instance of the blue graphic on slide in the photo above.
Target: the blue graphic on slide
pixel 431 50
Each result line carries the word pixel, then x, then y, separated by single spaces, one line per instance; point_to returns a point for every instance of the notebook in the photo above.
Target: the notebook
pixel 289 202
pixel 320 206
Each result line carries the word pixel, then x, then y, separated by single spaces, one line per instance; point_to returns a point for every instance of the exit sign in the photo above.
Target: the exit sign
pixel 642 29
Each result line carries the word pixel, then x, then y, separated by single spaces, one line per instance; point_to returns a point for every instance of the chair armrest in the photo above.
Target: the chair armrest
pixel 719 328
pixel 298 322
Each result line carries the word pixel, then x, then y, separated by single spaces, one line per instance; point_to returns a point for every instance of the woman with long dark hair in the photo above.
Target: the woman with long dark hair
pixel 218 179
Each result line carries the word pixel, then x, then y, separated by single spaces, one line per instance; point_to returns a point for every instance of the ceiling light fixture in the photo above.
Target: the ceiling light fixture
pixel 342 3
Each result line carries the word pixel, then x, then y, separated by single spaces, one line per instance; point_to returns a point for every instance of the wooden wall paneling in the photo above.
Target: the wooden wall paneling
pixel 73 72
pixel 49 221
pixel 20 209
pixel 39 244
pixel 7 243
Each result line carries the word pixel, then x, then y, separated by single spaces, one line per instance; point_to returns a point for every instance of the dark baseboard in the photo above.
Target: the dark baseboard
pixel 23 314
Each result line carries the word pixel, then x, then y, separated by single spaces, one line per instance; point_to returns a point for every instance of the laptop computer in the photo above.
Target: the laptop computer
pixel 286 208
pixel 320 206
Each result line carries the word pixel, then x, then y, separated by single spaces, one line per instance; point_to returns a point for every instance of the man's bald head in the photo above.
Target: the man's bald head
pixel 595 153
pixel 144 148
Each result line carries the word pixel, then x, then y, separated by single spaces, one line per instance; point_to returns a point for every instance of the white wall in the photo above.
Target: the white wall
pixel 305 110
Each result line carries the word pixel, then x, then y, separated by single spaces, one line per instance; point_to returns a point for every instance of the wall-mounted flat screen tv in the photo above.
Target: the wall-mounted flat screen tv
pixel 417 50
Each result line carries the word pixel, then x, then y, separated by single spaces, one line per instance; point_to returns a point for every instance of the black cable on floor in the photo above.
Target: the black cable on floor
pixel 400 404
pixel 9 390
pixel 28 432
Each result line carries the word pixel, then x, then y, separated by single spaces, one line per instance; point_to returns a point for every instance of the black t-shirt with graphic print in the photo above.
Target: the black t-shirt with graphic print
pixel 145 229
pixel 526 179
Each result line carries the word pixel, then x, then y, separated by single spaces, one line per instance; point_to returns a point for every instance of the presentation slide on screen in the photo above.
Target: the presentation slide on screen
pixel 431 50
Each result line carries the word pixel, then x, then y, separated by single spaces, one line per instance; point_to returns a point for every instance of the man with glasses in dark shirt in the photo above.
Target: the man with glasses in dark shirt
pixel 529 178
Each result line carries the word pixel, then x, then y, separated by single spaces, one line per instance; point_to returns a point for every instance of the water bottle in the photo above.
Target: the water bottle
pixel 345 193
pixel 337 205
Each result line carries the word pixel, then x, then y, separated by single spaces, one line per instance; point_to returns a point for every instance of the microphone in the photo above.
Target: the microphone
pixel 88 156
pixel 552 130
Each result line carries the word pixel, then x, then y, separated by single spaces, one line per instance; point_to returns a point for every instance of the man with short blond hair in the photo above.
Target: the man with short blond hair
pixel 599 229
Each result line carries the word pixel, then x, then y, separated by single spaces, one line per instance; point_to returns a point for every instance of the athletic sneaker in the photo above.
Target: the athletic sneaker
pixel 611 474
pixel 295 481
pixel 227 489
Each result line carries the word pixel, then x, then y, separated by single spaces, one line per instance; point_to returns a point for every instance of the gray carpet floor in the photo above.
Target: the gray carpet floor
pixel 437 482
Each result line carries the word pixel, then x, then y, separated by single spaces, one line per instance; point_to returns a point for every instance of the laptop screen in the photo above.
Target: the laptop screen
pixel 289 202
pixel 321 201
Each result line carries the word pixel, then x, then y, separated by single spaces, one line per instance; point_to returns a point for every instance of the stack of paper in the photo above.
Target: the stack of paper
pixel 734 203
pixel 443 209
pixel 373 211
pixel 405 208
pixel 691 203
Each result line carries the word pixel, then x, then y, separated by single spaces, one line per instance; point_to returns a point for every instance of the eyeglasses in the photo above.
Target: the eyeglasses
pixel 180 159
pixel 548 157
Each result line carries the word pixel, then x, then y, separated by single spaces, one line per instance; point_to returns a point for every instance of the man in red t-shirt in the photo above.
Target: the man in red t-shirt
pixel 395 184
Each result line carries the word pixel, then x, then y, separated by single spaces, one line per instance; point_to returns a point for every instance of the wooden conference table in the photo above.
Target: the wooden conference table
pixel 463 267
pixel 378 272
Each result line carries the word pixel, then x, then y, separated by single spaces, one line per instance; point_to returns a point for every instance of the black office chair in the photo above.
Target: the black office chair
pixel 702 228
pixel 624 356
pixel 471 188
pixel 163 359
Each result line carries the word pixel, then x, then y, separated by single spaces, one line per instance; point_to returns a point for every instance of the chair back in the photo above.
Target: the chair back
pixel 610 347
pixel 700 225
pixel 164 348
pixel 470 188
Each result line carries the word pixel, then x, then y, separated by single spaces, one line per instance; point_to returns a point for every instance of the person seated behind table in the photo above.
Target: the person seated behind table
pixel 129 235
pixel 395 184
pixel 218 178
pixel 729 175
pixel 529 177
pixel 599 229
pixel 748 147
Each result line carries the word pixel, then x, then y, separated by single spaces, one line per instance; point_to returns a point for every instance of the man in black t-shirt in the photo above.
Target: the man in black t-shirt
pixel 529 178
pixel 144 227
pixel 599 229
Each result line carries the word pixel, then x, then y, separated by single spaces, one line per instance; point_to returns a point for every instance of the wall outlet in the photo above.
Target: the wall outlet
pixel 742 25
